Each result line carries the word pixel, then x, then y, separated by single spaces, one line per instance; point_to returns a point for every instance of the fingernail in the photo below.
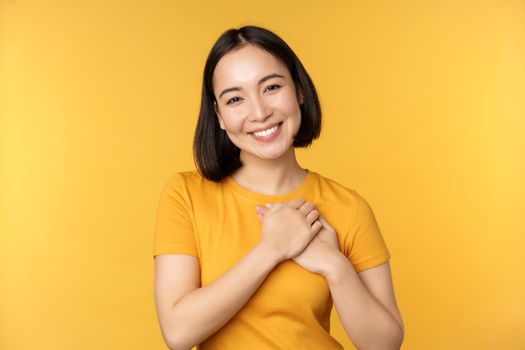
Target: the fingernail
pixel 268 205
pixel 257 208
pixel 260 216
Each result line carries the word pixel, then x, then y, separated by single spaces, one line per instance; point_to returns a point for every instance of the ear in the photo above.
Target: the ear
pixel 300 97
pixel 216 109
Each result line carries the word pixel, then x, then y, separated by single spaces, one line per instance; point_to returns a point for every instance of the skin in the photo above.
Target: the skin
pixel 319 252
pixel 268 167
pixel 365 301
pixel 272 168
pixel 188 312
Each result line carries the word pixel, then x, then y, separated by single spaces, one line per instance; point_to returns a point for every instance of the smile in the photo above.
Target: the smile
pixel 269 134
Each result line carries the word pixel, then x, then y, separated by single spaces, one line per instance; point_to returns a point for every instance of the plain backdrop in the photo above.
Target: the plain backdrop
pixel 424 115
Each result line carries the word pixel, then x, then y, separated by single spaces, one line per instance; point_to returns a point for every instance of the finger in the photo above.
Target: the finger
pixel 312 216
pixel 316 226
pixel 306 208
pixel 296 203
pixel 270 207
pixel 261 209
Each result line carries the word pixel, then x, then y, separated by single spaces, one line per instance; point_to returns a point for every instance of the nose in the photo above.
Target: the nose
pixel 261 111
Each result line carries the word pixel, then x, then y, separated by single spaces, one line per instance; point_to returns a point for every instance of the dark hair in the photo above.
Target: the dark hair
pixel 214 154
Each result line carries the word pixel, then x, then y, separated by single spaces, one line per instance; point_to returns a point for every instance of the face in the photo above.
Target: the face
pixel 256 102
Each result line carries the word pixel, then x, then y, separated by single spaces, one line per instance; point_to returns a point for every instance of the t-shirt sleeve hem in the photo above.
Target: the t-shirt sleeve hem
pixel 175 249
pixel 369 263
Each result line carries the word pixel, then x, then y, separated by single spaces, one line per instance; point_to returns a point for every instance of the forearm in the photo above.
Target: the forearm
pixel 367 323
pixel 205 310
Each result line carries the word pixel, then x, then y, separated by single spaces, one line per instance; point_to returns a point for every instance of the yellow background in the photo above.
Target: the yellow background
pixel 424 115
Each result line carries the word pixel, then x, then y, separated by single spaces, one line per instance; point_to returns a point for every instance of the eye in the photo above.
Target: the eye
pixel 232 100
pixel 276 86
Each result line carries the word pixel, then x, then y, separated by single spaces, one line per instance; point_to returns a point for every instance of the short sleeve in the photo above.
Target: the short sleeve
pixel 174 228
pixel 368 247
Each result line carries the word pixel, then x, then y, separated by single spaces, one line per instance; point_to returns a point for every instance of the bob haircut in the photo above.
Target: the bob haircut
pixel 215 156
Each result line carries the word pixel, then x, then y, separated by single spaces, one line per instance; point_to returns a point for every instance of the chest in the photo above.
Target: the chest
pixel 226 231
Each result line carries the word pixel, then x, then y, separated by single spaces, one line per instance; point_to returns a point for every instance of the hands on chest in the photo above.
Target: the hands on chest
pixel 297 231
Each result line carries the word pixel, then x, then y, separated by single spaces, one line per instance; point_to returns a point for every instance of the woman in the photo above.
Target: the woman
pixel 252 250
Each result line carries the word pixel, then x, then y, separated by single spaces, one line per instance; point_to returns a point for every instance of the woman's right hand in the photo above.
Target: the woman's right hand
pixel 288 227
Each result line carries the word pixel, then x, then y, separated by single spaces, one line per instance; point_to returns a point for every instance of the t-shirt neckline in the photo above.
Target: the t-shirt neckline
pixel 265 198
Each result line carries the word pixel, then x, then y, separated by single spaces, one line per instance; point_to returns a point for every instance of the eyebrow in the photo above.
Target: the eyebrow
pixel 263 79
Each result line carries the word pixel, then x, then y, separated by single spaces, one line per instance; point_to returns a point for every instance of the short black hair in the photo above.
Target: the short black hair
pixel 215 156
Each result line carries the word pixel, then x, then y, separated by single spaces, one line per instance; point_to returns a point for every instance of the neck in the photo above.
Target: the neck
pixel 270 176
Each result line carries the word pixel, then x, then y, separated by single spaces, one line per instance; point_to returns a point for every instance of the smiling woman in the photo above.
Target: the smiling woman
pixel 260 116
pixel 251 250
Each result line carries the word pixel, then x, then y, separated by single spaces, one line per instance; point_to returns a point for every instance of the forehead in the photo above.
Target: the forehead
pixel 245 66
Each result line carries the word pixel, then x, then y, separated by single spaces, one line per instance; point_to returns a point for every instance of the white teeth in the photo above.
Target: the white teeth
pixel 267 132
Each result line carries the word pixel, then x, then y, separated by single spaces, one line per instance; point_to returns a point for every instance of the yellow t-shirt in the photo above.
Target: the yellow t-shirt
pixel 217 223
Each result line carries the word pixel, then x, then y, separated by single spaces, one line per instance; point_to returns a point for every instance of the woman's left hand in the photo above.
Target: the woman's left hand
pixel 319 253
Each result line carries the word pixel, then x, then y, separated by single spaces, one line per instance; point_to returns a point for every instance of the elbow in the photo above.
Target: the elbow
pixel 175 342
pixel 177 334
pixel 173 345
pixel 400 335
pixel 397 338
pixel 391 340
pixel 401 338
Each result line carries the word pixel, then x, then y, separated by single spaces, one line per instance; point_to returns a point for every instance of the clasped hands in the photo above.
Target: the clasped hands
pixel 299 232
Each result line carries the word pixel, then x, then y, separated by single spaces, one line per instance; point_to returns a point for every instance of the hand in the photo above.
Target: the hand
pixel 318 254
pixel 288 227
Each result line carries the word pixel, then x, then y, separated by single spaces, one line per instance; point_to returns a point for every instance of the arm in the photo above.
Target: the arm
pixel 366 305
pixel 189 314
pixel 364 301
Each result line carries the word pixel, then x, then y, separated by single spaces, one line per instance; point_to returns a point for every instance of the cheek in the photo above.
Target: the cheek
pixel 232 125
pixel 293 116
pixel 289 105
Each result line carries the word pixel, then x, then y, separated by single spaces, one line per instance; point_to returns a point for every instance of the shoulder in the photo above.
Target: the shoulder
pixel 335 190
pixel 182 177
pixel 189 182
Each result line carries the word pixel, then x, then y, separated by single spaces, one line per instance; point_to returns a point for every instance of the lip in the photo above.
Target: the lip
pixel 268 138
pixel 265 128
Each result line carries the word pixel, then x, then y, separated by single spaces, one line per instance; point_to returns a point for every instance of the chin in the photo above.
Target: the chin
pixel 273 155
